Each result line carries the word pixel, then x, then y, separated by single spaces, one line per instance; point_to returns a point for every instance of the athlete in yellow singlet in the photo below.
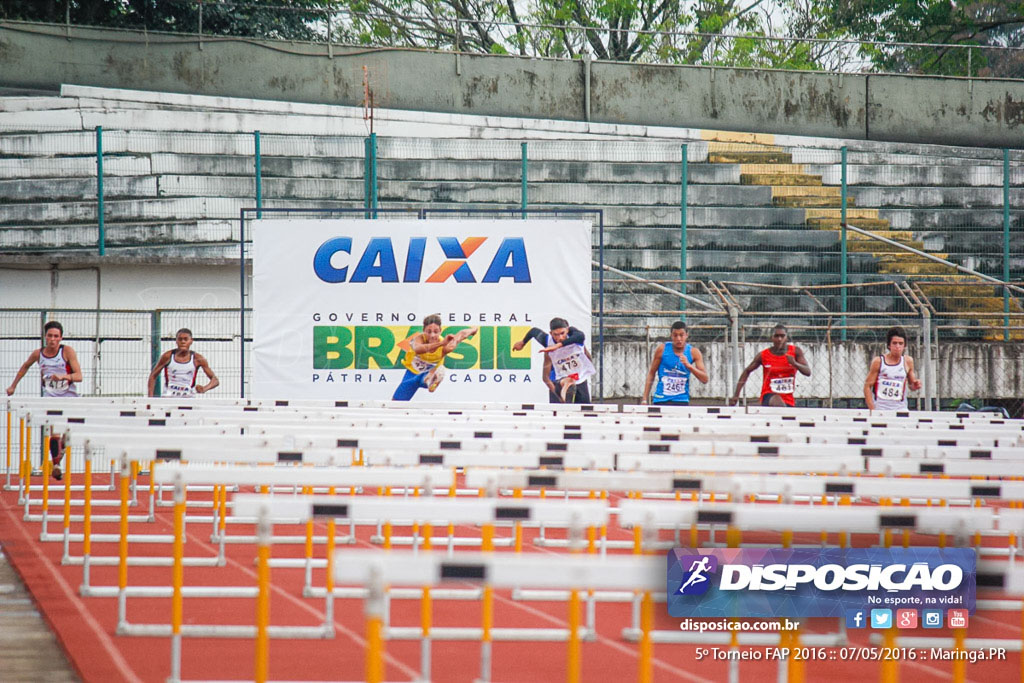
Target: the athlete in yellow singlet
pixel 424 356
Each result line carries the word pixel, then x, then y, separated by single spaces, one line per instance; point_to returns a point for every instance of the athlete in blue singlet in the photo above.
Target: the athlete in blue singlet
pixel 673 364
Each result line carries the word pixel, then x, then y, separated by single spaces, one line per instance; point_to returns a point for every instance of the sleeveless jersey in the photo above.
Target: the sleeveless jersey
pixel 55 366
pixel 570 361
pixel 180 378
pixel 673 376
pixel 418 363
pixel 891 386
pixel 779 375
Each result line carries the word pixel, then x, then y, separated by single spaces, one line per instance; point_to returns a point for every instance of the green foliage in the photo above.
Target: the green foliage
pixel 697 32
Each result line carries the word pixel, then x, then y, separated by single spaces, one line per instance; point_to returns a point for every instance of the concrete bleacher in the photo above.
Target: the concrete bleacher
pixel 762 209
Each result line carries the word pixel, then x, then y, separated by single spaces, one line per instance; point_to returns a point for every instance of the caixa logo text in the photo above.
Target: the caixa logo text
pixel 378 261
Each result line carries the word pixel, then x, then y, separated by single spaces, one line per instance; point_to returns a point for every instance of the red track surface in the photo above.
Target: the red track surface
pixel 86 626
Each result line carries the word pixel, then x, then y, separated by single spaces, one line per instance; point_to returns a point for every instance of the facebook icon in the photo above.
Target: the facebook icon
pixel 856 618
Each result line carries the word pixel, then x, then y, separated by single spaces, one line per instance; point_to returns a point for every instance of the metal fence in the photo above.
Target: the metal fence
pixel 767 213
pixel 117 348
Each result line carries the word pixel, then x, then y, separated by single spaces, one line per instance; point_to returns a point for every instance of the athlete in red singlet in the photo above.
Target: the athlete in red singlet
pixel 779 363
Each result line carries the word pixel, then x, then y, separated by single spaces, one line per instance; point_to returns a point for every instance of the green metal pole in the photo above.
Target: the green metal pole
pixel 259 176
pixel 1006 243
pixel 99 191
pixel 373 176
pixel 154 346
pixel 684 181
pixel 843 277
pixel 523 176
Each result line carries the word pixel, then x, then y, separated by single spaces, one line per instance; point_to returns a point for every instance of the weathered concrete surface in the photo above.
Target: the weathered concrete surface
pixel 752 100
pixel 893 108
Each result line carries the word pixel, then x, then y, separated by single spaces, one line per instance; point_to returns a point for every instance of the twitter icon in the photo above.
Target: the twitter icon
pixel 881 618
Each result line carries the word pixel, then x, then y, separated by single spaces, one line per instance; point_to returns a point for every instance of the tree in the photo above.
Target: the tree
pixel 283 19
pixel 983 24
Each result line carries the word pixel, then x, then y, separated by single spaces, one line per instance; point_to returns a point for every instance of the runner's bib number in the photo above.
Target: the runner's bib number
pixel 673 386
pixel 571 361
pixel 419 366
pixel 55 384
pixel 890 388
pixel 782 385
pixel 180 391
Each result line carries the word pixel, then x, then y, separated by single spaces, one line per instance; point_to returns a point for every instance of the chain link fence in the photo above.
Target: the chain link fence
pixel 117 348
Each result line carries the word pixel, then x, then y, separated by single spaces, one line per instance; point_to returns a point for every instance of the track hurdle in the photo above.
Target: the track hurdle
pixel 375 570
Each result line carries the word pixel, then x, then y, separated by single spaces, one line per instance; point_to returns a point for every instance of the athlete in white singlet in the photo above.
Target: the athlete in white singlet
pixel 181 370
pixel 567 361
pixel 891 375
pixel 58 372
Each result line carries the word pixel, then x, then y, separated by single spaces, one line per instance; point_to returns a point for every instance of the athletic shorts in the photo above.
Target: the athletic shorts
pixel 767 398
pixel 410 384
pixel 582 394
pixel 672 403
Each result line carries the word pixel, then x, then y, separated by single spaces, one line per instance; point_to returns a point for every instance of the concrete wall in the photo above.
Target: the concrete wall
pixel 119 286
pixel 954 111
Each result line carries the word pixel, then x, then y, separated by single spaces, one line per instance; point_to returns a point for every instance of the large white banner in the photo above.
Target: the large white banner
pixel 333 299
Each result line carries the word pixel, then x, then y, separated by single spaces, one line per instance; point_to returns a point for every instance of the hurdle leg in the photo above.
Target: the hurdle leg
pixel 7 465
pixel 734 662
pixel 426 615
pixel 263 532
pixel 177 575
pixel 215 509
pixel 329 599
pixel 308 583
pixel 796 669
pixel 222 527
pixel 152 492
pixel 46 483
pixel 86 524
pixel 646 670
pixel 373 609
pixel 134 475
pixel 67 512
pixel 485 638
pixel 573 669
pixel 959 664
pixel 122 557
pixel 21 459
pixel 28 464
pixel 783 673
pixel 890 666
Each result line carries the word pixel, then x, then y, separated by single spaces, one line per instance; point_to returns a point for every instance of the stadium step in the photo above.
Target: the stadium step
pixel 802 179
pixel 877 225
pixel 805 201
pixel 736 156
